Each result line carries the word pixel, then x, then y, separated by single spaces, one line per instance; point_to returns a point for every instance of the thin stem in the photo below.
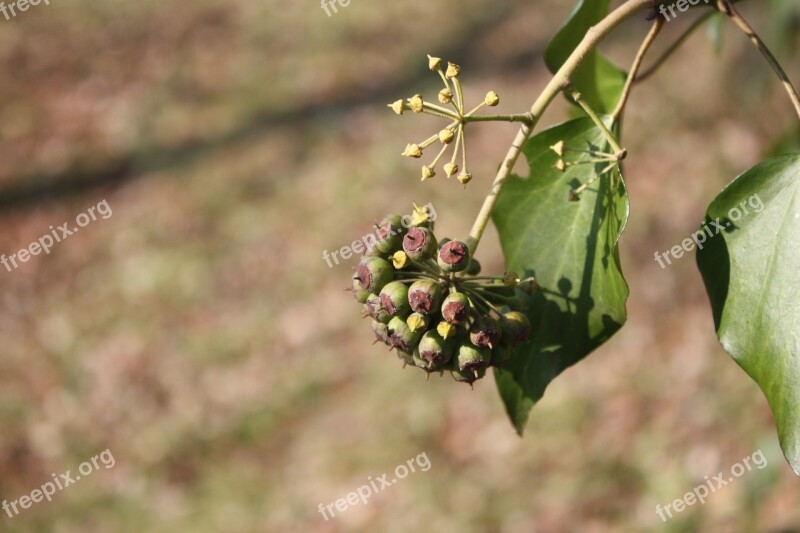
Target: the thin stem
pixel 434 109
pixel 655 29
pixel 459 95
pixel 726 6
pixel 618 150
pixel 525 118
pixel 560 80
pixel 677 44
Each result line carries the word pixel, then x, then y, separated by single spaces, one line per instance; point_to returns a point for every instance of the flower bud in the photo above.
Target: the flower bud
pixel 399 260
pixel 417 322
pixel 373 273
pixel 446 136
pixel 453 70
pixel 412 150
pixel 455 308
pixel 485 332
pixel 558 148
pixel 425 296
pixel 510 279
pixel 416 103
pixel 453 256
pixel 446 330
pixel 451 169
pixel 394 299
pixel 471 358
pixel 474 268
pixel 373 308
pixel 464 178
pixel 445 96
pixel 421 216
pixel 491 99
pixel 427 172
pixel 401 337
pixel 434 350
pixel 397 107
pixel 419 244
pixel 515 327
pixel 561 166
pixel 434 63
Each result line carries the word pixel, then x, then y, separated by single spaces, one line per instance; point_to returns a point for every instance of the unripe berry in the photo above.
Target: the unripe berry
pixel 435 350
pixel 401 337
pixel 373 273
pixel 453 256
pixel 373 308
pixel 501 355
pixel 474 268
pixel 467 377
pixel 515 327
pixel 381 331
pixel 360 294
pixel 485 332
pixel 419 244
pixel 472 358
pixel 455 308
pixel 394 299
pixel 425 296
pixel 390 237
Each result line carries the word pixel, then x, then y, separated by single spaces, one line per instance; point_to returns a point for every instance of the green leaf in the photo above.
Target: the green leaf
pixel 596 78
pixel 571 249
pixel 752 274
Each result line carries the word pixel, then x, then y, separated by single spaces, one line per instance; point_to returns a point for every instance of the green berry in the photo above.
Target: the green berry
pixel 474 268
pixel 373 308
pixel 394 299
pixel 381 331
pixel 401 337
pixel 425 296
pixel 373 273
pixel 485 332
pixel 515 327
pixel 390 236
pixel 467 377
pixel 455 308
pixel 501 354
pixel 419 244
pixel 473 358
pixel 360 294
pixel 435 350
pixel 453 256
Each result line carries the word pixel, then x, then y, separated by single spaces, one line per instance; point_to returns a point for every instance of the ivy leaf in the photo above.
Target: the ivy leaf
pixel 752 274
pixel 598 80
pixel 571 249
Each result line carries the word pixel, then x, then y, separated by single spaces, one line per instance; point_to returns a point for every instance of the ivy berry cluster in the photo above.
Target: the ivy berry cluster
pixel 427 300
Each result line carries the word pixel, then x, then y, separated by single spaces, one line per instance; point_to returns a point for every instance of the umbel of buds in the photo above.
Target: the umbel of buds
pixel 426 300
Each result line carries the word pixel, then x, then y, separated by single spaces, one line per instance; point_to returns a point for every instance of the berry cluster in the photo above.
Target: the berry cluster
pixel 428 302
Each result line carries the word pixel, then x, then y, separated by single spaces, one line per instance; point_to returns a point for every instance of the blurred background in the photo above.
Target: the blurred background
pixel 199 335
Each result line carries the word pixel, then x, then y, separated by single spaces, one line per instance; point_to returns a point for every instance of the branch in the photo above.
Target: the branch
pixel 655 29
pixel 559 81
pixel 677 44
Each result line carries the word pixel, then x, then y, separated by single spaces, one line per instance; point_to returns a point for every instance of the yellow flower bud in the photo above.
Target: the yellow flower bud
pixel 446 136
pixel 419 216
pixel 399 259
pixel 416 103
pixel 561 166
pixel 397 107
pixel 445 96
pixel 413 150
pixel 558 148
pixel 492 99
pixel 453 70
pixel 446 330
pixel 416 322
pixel 464 178
pixel 427 172
pixel 451 169
pixel 434 63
